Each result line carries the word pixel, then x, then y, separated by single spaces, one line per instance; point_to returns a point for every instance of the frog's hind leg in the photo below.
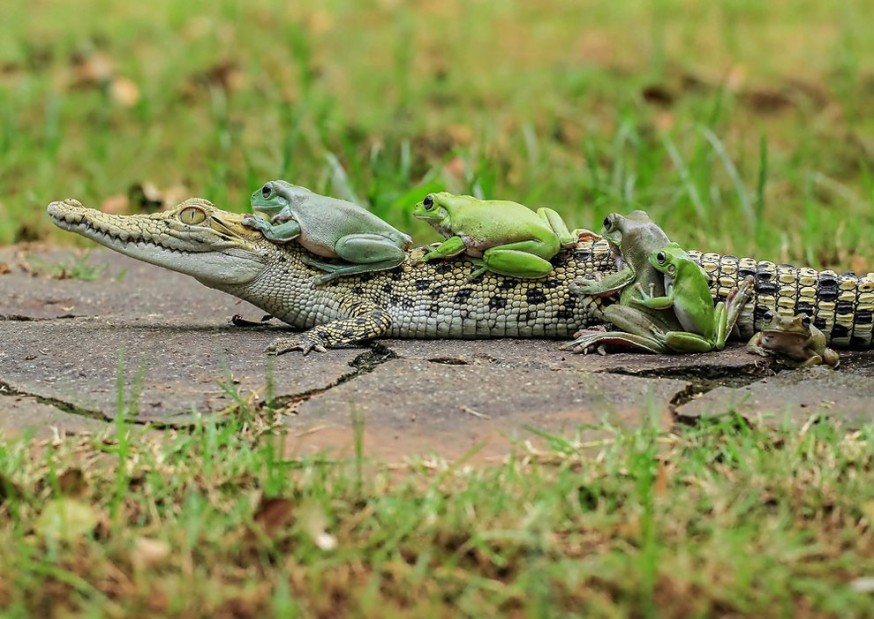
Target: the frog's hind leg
pixel 520 259
pixel 566 238
pixel 340 270
pixel 364 252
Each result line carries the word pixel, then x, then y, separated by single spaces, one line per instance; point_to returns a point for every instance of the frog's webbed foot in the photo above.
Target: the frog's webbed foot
pixel 255 223
pixel 619 339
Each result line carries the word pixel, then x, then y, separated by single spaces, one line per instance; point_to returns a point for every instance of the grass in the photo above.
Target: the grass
pixel 222 521
pixel 743 127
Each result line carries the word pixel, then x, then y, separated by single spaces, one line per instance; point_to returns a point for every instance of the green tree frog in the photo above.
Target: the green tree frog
pixel 327 227
pixel 500 236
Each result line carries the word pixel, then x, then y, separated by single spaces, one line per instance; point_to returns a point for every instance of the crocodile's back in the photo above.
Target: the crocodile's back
pixel 842 306
pixel 442 302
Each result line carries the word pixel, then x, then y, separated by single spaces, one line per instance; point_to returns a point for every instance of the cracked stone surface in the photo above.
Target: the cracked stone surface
pixel 461 406
pixel 62 337
pixel 791 398
pixel 24 415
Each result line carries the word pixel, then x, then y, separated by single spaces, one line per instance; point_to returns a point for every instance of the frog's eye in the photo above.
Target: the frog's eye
pixel 768 316
pixel 266 191
pixel 192 215
pixel 428 202
pixel 661 257
pixel 608 223
pixel 806 320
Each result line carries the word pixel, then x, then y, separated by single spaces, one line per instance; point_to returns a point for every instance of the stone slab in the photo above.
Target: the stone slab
pixel 181 363
pixel 454 408
pixel 22 416
pixel 546 354
pixel 791 397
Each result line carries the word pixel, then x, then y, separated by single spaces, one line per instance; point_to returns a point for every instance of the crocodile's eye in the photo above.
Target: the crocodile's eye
pixel 266 191
pixel 428 202
pixel 661 257
pixel 192 215
pixel 768 316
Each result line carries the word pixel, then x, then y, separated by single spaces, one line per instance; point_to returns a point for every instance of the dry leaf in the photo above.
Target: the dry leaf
pixel 149 553
pixel 66 520
pixel 660 485
pixel 146 197
pixel 124 92
pixel 4 269
pixel 72 482
pixel 455 167
pixel 117 204
pixel 460 134
pixel 859 264
pixel 273 514
pixel 94 69
pixel 736 77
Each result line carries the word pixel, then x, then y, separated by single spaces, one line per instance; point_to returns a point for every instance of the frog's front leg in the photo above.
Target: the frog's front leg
pixel 366 252
pixel 611 284
pixel 518 259
pixel 447 249
pixel 279 233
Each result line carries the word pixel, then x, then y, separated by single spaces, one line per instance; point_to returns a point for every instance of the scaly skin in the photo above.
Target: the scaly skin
pixel 436 300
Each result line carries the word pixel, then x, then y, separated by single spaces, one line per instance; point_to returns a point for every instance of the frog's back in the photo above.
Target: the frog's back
pixel 329 219
pixel 485 220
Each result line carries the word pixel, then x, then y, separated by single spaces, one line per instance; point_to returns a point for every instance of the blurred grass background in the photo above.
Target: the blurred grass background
pixel 743 127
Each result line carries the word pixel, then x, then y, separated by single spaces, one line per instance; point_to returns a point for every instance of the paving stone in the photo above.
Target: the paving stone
pixel 22 415
pixel 548 355
pixel 76 361
pixel 453 408
pixel 791 397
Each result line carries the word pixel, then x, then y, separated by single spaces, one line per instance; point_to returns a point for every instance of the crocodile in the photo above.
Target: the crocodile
pixel 438 299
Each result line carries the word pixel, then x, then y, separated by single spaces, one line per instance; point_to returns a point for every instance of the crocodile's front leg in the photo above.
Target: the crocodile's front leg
pixel 364 320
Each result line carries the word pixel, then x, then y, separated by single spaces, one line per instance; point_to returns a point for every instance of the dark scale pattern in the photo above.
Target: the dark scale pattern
pixel 827 286
pixel 535 296
pixel 462 296
pixel 497 302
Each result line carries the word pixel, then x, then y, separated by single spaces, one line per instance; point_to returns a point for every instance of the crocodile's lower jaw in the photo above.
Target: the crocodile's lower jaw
pixel 221 267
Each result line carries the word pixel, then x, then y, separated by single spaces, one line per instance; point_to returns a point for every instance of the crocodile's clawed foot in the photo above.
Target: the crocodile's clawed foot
pixel 297 342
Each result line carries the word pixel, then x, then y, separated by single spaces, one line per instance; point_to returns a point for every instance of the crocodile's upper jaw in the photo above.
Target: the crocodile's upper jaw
pixel 217 250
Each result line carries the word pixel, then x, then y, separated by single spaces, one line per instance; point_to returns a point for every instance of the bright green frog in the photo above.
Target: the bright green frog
pixel 500 236
pixel 327 227
pixel 792 340
pixel 687 292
